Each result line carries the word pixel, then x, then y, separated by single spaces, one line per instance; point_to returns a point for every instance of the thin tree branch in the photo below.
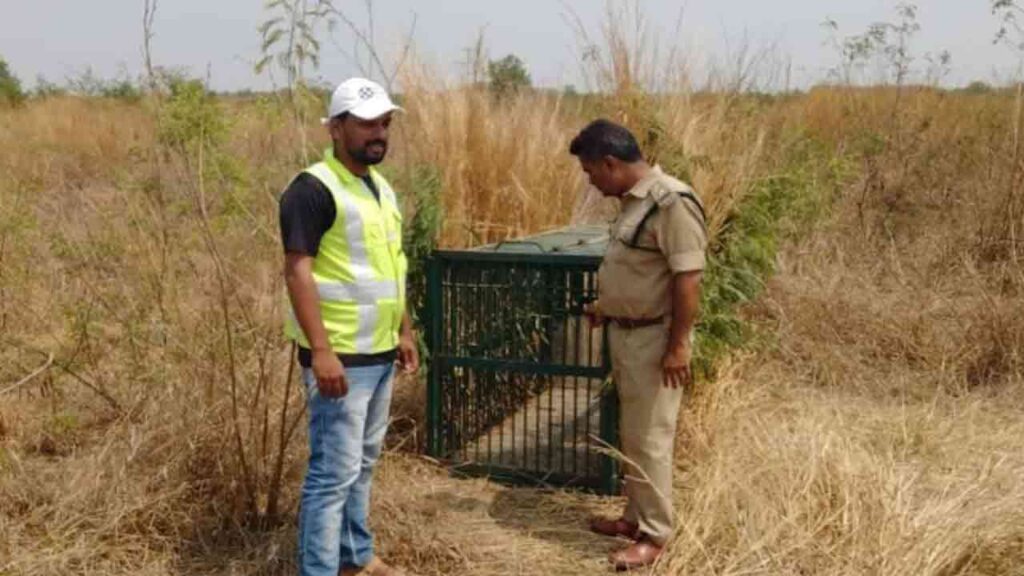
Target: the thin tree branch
pixel 30 377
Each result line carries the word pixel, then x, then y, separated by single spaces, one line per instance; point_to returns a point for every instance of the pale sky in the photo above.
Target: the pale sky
pixel 61 38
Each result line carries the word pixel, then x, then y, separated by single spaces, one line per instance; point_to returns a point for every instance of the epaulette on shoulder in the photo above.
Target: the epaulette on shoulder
pixel 663 197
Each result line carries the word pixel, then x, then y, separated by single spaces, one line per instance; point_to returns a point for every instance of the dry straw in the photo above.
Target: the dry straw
pixel 874 429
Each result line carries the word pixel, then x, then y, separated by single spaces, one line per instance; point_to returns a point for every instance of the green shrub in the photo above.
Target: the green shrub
pixel 121 88
pixel 46 89
pixel 743 256
pixel 10 87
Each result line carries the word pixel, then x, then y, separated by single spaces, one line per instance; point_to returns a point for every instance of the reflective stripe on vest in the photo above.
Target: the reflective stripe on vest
pixel 360 268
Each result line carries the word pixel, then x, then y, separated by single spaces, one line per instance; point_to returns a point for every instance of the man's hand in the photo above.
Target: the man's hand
pixel 685 302
pixel 330 374
pixel 676 365
pixel 408 354
pixel 593 314
pixel 298 275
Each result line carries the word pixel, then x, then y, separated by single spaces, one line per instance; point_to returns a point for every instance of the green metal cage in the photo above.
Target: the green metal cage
pixel 519 381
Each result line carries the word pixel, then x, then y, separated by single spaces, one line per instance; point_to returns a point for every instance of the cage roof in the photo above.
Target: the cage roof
pixel 580 240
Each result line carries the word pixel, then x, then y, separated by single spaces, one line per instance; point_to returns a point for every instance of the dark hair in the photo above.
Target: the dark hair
pixel 605 138
pixel 341 117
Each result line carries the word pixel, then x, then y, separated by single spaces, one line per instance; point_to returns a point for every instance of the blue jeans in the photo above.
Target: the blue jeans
pixel 345 438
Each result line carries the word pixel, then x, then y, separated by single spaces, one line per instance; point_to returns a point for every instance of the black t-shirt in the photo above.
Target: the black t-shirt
pixel 307 211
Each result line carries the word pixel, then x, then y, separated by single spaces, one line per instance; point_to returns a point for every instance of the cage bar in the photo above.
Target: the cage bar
pixel 518 379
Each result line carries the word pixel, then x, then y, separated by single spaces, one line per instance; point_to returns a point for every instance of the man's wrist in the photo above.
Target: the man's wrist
pixel 680 341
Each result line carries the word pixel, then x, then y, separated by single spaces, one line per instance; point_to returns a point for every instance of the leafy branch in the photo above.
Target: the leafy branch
pixel 1011 30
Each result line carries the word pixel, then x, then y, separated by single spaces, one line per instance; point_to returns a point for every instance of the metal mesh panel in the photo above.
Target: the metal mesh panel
pixel 518 376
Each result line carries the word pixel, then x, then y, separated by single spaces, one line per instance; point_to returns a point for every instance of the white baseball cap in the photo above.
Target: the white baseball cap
pixel 360 97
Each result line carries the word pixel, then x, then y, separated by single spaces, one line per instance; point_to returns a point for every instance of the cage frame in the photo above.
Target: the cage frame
pixel 570 250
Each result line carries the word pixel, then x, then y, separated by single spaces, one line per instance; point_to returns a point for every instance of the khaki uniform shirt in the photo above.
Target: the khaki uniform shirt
pixel 635 282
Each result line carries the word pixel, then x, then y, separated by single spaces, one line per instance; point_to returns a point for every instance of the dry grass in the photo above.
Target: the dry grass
pixel 148 270
pixel 504 167
pixel 873 429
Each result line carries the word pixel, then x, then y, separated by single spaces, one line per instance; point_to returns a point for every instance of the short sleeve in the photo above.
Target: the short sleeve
pixel 682 236
pixel 307 211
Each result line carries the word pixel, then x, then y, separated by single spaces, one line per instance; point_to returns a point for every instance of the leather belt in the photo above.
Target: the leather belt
pixel 631 323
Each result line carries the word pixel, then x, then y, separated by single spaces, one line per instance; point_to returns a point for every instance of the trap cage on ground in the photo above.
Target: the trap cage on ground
pixel 519 380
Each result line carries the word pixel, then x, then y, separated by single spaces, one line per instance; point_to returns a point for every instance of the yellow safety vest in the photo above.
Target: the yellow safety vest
pixel 360 267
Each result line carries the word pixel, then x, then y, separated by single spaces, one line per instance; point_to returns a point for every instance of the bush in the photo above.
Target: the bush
pixel 742 258
pixel 120 88
pixel 10 87
pixel 977 87
pixel 507 76
pixel 192 115
pixel 46 89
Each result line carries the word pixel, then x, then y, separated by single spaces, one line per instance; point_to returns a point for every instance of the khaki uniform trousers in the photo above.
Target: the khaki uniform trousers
pixel 647 425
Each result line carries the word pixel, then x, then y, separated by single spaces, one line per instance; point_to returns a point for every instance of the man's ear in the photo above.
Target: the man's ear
pixel 610 163
pixel 334 128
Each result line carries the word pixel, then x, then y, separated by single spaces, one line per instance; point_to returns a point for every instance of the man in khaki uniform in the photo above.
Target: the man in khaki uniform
pixel 649 292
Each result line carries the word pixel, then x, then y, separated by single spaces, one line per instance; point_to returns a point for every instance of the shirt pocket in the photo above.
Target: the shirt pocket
pixel 376 229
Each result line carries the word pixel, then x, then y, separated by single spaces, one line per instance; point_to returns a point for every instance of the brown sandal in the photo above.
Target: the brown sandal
pixel 615 528
pixel 642 553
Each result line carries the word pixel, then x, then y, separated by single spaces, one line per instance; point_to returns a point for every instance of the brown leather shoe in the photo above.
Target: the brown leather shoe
pixel 638 555
pixel 614 527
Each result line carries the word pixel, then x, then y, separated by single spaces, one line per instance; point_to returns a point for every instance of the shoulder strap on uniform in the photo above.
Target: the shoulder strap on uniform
pixel 660 200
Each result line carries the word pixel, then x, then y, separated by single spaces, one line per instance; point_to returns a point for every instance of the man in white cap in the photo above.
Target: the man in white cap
pixel 345 271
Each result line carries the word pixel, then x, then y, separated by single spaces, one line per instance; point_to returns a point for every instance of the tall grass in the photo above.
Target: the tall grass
pixel 149 420
pixel 872 432
pixel 503 164
pixel 140 252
